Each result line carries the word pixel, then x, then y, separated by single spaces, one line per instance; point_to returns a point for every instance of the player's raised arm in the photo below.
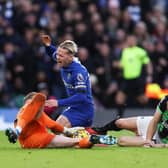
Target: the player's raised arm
pixel 50 49
pixel 46 40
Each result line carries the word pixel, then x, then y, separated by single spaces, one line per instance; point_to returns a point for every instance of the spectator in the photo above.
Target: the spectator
pixel 88 22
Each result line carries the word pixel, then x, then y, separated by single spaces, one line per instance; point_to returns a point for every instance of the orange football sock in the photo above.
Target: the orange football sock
pixel 85 143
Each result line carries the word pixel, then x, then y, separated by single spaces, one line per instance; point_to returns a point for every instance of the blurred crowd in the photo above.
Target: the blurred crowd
pixel 99 27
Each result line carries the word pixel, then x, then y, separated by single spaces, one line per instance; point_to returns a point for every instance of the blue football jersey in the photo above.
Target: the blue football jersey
pixel 78 87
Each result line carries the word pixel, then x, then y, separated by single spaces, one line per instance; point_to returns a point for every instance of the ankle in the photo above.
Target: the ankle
pixel 18 130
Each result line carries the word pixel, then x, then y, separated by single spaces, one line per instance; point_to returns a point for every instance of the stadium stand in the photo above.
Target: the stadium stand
pixel 99 27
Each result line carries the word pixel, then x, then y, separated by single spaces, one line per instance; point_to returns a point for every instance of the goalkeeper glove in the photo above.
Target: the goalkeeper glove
pixel 71 131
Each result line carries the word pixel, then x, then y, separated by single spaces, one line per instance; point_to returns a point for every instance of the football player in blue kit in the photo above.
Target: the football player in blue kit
pixel 79 103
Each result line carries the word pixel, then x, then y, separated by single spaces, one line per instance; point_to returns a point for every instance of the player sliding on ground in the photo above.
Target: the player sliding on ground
pixel 31 128
pixel 151 131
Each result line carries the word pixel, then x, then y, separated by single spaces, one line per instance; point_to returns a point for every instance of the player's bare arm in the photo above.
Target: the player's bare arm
pixel 152 128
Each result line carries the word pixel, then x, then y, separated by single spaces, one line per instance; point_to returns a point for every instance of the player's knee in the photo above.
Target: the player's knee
pixel 120 123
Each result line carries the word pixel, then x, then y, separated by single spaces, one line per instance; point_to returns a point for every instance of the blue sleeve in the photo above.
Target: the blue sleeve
pixel 80 87
pixel 51 51
pixel 73 100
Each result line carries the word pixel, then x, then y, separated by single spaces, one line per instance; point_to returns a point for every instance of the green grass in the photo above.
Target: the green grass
pixel 12 156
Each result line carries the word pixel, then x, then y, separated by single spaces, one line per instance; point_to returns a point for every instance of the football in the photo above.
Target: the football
pixel 81 133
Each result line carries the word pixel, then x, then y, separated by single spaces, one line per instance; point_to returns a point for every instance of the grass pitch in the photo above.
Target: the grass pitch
pixel 12 156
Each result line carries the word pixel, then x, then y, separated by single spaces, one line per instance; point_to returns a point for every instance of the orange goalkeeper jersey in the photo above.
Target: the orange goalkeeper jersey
pixel 30 124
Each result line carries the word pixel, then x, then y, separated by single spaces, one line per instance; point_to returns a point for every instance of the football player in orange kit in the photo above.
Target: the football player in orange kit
pixel 31 127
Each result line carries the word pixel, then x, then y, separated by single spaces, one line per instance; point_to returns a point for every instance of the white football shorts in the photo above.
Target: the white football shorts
pixel 142 125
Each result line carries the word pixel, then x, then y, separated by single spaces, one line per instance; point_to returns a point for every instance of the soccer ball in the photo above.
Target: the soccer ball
pixel 81 133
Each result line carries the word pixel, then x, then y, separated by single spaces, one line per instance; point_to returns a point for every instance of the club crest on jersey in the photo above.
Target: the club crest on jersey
pixel 80 77
pixel 68 75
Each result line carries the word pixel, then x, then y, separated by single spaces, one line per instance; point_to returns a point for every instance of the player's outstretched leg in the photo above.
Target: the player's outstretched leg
pixel 11 134
pixel 103 130
pixel 103 139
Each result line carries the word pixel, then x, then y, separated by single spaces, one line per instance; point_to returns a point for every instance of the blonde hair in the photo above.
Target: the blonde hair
pixel 69 45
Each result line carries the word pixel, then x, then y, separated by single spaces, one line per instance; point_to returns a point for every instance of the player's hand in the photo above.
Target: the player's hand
pixel 51 103
pixel 71 131
pixel 148 143
pixel 46 40
pixel 11 134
